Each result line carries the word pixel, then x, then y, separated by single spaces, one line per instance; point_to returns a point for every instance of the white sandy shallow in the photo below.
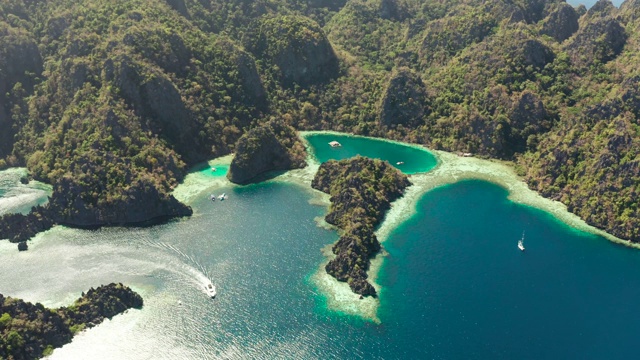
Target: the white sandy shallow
pixel 451 168
pixel 195 183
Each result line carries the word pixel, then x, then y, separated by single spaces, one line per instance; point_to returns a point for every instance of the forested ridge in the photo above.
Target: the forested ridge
pixel 110 102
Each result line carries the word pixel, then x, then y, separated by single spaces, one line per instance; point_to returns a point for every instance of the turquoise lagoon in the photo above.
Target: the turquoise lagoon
pixel 412 159
pixel 453 283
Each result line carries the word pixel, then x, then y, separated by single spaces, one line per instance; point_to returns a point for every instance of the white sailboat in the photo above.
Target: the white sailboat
pixel 521 242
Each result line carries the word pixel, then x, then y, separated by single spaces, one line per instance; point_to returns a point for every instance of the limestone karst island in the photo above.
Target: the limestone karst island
pixel 279 179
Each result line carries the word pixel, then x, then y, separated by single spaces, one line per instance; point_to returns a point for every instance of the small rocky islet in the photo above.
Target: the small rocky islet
pixel 361 190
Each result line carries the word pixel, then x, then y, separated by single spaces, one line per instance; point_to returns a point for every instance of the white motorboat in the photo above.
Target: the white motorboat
pixel 211 290
pixel 222 197
pixel 212 197
pixel 521 242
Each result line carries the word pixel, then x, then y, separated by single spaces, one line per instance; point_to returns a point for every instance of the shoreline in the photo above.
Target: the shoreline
pixel 196 182
pixel 450 168
pixel 19 197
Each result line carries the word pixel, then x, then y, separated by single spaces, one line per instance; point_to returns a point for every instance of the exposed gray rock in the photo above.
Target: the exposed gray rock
pixel 297 46
pixel 601 40
pixel 536 54
pixel 270 147
pixel 602 8
pixel 561 23
pixel 405 100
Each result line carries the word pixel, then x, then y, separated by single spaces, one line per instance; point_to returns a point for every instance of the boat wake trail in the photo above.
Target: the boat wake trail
pixel 195 273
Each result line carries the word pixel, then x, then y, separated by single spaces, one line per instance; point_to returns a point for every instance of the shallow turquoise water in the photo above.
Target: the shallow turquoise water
pixel 414 160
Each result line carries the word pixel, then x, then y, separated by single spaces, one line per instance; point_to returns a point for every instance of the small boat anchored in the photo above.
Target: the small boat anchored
pixel 212 197
pixel 400 163
pixel 521 243
pixel 222 197
pixel 211 290
pixel 334 144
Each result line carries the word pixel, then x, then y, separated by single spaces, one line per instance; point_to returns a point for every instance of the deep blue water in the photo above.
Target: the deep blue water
pixel 456 286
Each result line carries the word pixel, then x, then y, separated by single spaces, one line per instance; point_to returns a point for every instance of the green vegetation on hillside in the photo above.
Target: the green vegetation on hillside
pixel 269 147
pixel 361 190
pixel 29 331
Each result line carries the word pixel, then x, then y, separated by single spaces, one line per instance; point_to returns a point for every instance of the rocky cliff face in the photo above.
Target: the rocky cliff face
pixel 601 40
pixel 154 96
pixel 270 147
pixel 361 190
pixel 405 100
pixel 141 203
pixel 20 64
pixel 561 23
pixel 179 6
pixel 297 46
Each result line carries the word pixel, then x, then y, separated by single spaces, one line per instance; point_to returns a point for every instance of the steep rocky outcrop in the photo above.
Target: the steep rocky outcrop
pixel 447 36
pixel 297 46
pixel 20 64
pixel 249 75
pixel 30 331
pixel 405 100
pixel 142 202
pixel 601 40
pixel 561 23
pixel 536 54
pixel 600 186
pixel 630 10
pixel 269 147
pixel 526 116
pixel 153 95
pixel 602 8
pixel 361 190
pixel 505 10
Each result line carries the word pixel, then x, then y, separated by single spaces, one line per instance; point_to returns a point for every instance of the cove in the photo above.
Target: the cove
pixel 412 158
pixel 460 287
pixel 16 197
